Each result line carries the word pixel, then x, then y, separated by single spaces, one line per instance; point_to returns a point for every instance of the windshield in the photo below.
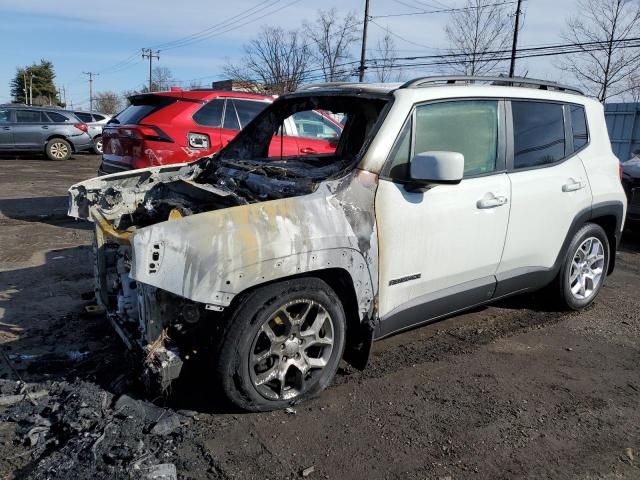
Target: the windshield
pixel 304 136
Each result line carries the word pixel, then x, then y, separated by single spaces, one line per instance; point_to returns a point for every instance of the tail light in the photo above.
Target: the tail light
pixel 198 140
pixel 81 126
pixel 620 171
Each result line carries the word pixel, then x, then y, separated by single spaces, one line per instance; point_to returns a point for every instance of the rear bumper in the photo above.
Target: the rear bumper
pixel 81 142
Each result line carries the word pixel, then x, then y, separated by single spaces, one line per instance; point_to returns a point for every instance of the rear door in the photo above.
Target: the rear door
pixel 549 187
pixel 6 129
pixel 29 130
pixel 208 121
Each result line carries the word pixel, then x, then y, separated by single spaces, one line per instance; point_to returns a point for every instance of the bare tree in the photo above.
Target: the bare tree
pixel 605 62
pixel 275 58
pixel 107 102
pixel 331 39
pixel 384 65
pixel 477 33
pixel 633 88
pixel 161 78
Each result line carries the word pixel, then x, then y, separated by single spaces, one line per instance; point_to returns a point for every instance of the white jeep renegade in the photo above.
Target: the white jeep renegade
pixel 442 194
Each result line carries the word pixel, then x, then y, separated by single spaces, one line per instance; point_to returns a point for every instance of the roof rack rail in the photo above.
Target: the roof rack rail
pixel 313 86
pixel 503 81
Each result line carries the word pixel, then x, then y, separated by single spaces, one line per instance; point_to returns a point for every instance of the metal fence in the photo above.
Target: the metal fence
pixel 623 123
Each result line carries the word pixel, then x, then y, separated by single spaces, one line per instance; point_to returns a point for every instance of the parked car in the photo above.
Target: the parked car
pixel 95 122
pixel 56 133
pixel 442 194
pixel 631 183
pixel 164 128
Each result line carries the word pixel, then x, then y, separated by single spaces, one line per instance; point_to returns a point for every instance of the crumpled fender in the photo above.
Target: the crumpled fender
pixel 211 257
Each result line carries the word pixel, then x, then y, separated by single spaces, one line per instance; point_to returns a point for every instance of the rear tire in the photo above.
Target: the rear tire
pixel 58 149
pixel 281 345
pixel 97 145
pixel 585 267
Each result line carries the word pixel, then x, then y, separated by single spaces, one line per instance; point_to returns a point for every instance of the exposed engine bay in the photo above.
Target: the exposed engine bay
pixel 162 322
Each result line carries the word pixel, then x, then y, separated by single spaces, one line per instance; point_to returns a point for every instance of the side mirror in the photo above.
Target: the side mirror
pixel 437 167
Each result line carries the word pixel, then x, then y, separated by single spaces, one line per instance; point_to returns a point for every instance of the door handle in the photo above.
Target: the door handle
pixel 572 185
pixel 44 127
pixel 491 201
pixel 307 150
pixel 6 128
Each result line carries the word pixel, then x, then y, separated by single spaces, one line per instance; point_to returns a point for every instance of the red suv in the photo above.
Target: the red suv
pixel 180 126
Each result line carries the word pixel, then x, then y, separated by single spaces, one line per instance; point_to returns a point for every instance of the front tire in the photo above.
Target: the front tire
pixel 58 149
pixel 281 345
pixel 585 267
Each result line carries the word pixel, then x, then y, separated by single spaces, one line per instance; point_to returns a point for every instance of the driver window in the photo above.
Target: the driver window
pixel 467 126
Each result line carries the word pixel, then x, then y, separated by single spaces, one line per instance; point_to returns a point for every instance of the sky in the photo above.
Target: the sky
pixel 106 36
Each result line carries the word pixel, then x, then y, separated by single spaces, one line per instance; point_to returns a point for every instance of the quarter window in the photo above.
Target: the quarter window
pixel 56 117
pixel 538 129
pixel 579 127
pixel 84 117
pixel 211 114
pixel 28 116
pixel 5 116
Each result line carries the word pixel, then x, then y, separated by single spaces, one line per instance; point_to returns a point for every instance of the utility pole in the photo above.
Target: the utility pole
pixel 91 75
pixel 31 89
pixel 26 93
pixel 514 47
pixel 148 53
pixel 363 54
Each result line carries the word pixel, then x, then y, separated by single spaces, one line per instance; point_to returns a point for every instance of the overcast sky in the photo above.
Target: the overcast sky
pixel 106 36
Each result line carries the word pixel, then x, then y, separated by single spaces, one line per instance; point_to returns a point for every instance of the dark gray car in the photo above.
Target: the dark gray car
pixel 56 133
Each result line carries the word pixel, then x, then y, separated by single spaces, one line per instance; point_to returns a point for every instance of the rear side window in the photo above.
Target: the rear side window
pixel 142 106
pixel 579 127
pixel 248 109
pixel 538 129
pixel 56 117
pixel 98 118
pixel 5 116
pixel 211 114
pixel 84 117
pixel 28 116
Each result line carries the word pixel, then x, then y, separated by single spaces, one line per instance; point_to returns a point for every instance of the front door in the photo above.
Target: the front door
pixel 439 249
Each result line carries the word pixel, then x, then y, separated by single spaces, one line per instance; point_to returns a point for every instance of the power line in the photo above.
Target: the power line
pixel 445 10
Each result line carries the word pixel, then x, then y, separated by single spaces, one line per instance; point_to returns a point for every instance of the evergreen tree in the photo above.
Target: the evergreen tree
pixel 44 89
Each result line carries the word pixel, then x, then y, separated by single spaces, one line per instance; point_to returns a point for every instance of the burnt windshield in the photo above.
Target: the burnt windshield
pixel 297 134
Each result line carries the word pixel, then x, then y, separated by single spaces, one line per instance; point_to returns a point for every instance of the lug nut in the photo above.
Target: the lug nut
pixel 300 341
pixel 284 359
pixel 297 355
pixel 282 347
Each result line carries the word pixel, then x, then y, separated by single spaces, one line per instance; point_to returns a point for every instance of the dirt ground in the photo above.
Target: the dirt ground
pixel 514 390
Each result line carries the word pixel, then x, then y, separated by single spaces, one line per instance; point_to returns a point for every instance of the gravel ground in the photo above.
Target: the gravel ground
pixel 513 390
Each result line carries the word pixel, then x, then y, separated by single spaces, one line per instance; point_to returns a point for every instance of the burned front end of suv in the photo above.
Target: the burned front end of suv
pixel 176 247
